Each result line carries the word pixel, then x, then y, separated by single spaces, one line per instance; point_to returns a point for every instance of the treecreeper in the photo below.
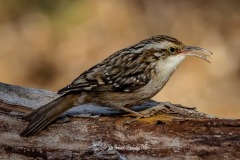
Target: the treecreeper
pixel 127 78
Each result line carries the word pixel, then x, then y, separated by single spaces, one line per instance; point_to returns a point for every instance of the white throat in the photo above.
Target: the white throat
pixel 166 67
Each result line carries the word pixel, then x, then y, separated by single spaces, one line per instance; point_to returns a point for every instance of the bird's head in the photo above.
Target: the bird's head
pixel 167 53
pixel 169 48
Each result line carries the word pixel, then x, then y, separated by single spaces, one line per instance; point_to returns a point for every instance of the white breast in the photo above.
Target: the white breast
pixel 164 69
pixel 167 66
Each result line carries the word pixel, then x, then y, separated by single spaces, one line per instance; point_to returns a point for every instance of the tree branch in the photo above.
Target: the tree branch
pixel 94 132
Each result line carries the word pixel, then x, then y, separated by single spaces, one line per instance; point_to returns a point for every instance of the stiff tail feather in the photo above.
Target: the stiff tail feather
pixel 46 114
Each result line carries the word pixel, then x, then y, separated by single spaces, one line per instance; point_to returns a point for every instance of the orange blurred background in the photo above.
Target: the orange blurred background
pixel 46 44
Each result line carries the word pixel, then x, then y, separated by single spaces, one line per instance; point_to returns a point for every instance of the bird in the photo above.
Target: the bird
pixel 127 78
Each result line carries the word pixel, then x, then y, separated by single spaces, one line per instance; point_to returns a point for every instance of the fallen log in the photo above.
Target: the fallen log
pixel 95 132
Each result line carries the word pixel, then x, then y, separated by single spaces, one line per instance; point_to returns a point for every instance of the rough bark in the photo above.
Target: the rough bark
pixel 93 132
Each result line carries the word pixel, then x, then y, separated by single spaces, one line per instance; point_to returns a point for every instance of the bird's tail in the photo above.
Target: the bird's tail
pixel 46 114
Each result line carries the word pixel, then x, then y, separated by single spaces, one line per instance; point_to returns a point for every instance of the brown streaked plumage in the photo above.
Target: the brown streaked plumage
pixel 126 78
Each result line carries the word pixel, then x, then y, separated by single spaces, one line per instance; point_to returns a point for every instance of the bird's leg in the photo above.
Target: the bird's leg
pixel 137 116
pixel 133 113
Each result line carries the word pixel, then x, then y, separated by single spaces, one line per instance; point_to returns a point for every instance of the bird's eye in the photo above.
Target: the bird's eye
pixel 172 49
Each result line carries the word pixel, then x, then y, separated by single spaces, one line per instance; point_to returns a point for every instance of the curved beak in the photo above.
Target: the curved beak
pixel 197 52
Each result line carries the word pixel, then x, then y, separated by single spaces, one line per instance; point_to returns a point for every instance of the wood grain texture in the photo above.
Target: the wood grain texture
pixel 175 132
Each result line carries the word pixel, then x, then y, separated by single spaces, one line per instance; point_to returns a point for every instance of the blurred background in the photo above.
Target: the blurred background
pixel 46 44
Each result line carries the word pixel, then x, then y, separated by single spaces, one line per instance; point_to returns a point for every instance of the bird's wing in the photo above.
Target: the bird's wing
pixel 124 71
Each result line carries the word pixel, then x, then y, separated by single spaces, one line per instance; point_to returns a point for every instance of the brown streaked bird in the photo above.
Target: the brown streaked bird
pixel 127 78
